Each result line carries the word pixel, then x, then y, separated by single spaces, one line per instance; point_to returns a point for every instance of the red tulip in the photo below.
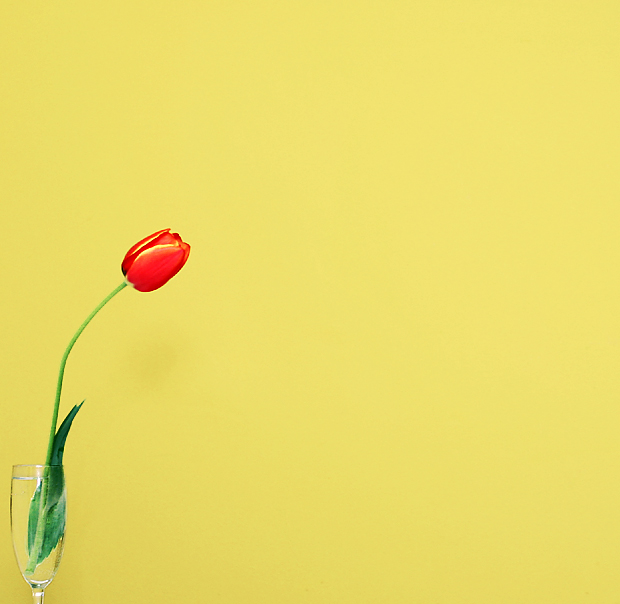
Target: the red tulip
pixel 153 261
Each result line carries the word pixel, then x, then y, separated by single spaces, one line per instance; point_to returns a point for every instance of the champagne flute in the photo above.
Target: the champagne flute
pixel 38 519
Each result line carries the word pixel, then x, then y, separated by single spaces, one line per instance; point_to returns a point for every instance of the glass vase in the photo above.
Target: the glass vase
pixel 38 521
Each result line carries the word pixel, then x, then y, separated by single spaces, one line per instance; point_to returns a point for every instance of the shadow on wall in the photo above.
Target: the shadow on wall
pixel 152 364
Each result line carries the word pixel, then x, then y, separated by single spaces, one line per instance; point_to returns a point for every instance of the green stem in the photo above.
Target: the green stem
pixel 63 362
pixel 40 531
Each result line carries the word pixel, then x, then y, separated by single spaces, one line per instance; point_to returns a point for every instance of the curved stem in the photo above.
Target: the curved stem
pixel 37 594
pixel 63 362
pixel 40 530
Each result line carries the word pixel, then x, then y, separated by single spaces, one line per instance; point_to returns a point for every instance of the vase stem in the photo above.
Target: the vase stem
pixel 37 595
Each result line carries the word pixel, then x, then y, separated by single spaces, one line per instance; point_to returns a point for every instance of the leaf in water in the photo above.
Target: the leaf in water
pixel 33 516
pixel 54 514
pixel 52 490
pixel 55 519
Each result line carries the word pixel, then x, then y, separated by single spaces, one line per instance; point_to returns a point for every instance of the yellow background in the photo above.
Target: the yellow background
pixel 390 371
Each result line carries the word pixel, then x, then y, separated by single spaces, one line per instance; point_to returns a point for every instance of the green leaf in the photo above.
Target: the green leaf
pixel 55 519
pixel 58 448
pixel 54 514
pixel 33 516
pixel 52 490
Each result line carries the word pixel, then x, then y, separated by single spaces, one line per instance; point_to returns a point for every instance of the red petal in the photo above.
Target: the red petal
pixel 163 236
pixel 186 248
pixel 140 243
pixel 154 267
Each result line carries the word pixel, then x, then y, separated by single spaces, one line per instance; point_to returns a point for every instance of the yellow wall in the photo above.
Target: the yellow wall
pixel 390 371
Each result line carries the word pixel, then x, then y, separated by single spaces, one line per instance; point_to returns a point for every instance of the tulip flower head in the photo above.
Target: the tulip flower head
pixel 153 261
